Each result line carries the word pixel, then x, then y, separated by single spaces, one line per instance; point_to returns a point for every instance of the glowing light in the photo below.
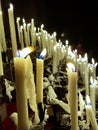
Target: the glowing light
pixel 11 6
pixel 43 53
pixel 25 51
pixel 71 66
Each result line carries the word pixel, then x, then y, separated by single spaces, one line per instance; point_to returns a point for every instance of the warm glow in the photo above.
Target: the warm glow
pixel 11 6
pixel 71 66
pixel 67 42
pixel 85 59
pixel 18 19
pixel 25 51
pixel 42 26
pixel 0 12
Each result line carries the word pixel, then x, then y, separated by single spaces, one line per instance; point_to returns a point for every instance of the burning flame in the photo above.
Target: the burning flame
pixel 11 6
pixel 71 66
pixel 43 53
pixel 25 51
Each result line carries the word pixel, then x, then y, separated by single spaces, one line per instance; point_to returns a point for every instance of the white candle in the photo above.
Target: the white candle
pixel 32 31
pixel 18 27
pixel 12 30
pixel 28 33
pixel 39 79
pixel 92 94
pixel 21 37
pixel 72 95
pixel 2 33
pixel 30 87
pixel 1 63
pixel 25 32
pixel 91 114
pixel 81 104
pixel 22 106
pixel 86 73
pixel 54 66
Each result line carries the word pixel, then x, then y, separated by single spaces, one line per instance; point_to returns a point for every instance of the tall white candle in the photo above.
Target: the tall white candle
pixel 12 30
pixel 72 95
pixel 54 66
pixel 21 37
pixel 91 115
pixel 39 79
pixel 25 32
pixel 18 27
pixel 2 33
pixel 22 106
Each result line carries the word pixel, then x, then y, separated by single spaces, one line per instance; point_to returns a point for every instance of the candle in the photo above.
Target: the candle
pixel 81 104
pixel 2 33
pixel 28 33
pixel 18 27
pixel 30 87
pixel 91 115
pixel 32 31
pixel 25 32
pixel 72 95
pixel 86 73
pixel 1 63
pixel 54 69
pixel 12 30
pixel 39 79
pixel 21 97
pixel 92 94
pixel 21 37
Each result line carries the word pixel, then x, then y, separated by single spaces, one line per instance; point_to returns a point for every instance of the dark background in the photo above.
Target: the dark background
pixel 78 20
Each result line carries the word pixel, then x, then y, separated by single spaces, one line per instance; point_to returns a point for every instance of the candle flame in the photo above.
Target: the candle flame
pixel 71 66
pixel 18 19
pixel 66 42
pixel 88 100
pixel 43 53
pixel 25 51
pixel 42 26
pixel 0 12
pixel 11 6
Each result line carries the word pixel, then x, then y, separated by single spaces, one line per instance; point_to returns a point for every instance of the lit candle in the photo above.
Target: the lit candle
pixel 72 95
pixel 54 66
pixel 21 37
pixel 86 73
pixel 91 114
pixel 39 79
pixel 25 32
pixel 21 98
pixel 32 31
pixel 2 33
pixel 12 30
pixel 28 33
pixel 18 27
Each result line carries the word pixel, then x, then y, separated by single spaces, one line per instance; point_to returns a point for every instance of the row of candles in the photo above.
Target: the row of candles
pixel 24 73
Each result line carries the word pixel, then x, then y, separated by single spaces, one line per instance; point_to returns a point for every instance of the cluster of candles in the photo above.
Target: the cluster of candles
pixel 28 34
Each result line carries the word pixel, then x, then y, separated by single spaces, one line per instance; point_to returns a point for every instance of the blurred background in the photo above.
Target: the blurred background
pixel 72 20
